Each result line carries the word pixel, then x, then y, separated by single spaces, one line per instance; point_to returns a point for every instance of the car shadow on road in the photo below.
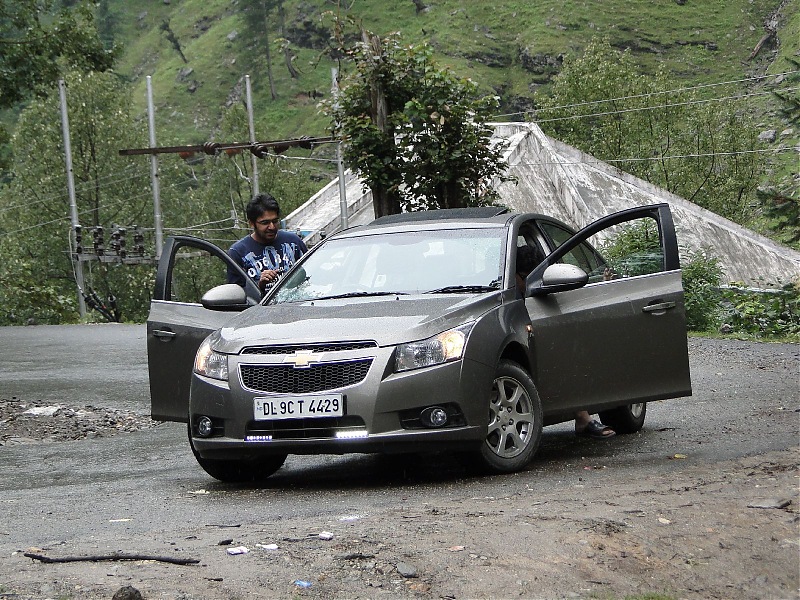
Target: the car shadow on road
pixel 559 450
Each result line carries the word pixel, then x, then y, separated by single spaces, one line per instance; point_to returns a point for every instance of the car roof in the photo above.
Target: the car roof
pixel 461 214
pixel 447 218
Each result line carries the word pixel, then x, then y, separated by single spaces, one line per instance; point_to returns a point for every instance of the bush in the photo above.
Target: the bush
pixel 774 311
pixel 702 275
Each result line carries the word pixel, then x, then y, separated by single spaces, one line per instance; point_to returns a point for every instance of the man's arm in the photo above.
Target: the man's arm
pixel 233 275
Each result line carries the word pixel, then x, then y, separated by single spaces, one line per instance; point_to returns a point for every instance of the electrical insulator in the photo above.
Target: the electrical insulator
pixel 138 241
pixel 97 240
pixel 115 241
pixel 121 251
pixel 78 239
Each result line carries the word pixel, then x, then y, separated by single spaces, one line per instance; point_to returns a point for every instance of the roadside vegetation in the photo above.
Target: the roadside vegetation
pixel 770 312
pixel 675 94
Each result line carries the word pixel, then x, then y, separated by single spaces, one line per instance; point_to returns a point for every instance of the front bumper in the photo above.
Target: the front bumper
pixel 376 412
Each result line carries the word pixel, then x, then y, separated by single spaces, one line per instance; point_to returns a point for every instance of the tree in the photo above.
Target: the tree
pixel 288 56
pixel 173 39
pixel 38 47
pixel 781 201
pixel 257 20
pixel 414 131
pixel 698 148
pixel 35 228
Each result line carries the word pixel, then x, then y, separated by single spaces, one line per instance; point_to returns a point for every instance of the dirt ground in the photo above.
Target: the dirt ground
pixel 33 421
pixel 701 538
pixel 728 529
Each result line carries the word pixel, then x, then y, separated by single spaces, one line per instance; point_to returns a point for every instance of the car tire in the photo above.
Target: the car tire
pixel 625 419
pixel 239 471
pixel 515 420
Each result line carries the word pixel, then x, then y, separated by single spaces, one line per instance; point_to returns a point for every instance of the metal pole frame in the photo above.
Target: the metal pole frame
pixel 73 205
pixel 339 160
pixel 154 179
pixel 254 159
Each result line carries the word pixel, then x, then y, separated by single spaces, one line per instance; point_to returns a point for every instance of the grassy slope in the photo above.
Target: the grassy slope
pixel 702 41
pixel 465 34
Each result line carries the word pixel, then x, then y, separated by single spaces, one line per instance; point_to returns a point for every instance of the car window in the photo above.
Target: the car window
pixel 583 255
pixel 194 272
pixel 406 262
pixel 627 250
pixel 632 248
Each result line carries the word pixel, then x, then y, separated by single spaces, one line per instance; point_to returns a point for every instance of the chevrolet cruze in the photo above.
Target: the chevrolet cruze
pixel 413 333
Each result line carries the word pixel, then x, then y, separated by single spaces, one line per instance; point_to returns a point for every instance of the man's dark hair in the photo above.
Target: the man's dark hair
pixel 527 259
pixel 260 204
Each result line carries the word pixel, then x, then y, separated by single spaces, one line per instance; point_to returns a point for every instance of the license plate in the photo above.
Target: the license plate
pixel 298 407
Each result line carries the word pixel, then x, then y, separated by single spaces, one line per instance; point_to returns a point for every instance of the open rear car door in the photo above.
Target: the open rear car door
pixel 178 322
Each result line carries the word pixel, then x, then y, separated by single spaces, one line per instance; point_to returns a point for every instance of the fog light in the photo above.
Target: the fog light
pixel 205 427
pixel 350 434
pixel 433 416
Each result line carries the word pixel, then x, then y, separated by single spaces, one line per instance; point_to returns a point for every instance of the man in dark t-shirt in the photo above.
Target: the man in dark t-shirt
pixel 268 252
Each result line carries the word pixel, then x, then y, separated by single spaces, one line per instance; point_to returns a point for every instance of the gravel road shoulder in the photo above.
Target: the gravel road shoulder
pixel 705 506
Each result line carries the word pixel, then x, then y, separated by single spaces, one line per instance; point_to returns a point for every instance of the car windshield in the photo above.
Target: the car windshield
pixel 467 261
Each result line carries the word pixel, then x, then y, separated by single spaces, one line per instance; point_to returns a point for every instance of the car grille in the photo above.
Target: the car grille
pixel 296 429
pixel 292 348
pixel 286 379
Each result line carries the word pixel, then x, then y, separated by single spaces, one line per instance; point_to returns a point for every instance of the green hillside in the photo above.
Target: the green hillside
pixel 511 48
pixel 199 51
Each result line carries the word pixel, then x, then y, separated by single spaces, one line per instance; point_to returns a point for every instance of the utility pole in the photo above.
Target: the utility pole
pixel 157 219
pixel 253 157
pixel 339 159
pixel 73 206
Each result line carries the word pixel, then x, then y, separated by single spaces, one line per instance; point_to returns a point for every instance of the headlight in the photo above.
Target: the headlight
pixel 441 348
pixel 209 363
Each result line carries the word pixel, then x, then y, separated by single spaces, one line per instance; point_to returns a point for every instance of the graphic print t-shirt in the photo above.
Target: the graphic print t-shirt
pixel 254 257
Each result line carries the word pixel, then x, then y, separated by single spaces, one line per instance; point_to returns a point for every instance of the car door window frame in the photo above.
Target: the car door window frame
pixel 163 284
pixel 666 230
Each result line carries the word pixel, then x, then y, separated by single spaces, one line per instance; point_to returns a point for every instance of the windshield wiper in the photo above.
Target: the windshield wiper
pixel 463 289
pixel 358 295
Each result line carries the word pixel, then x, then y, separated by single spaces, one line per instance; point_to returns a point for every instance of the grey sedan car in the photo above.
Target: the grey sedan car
pixel 414 334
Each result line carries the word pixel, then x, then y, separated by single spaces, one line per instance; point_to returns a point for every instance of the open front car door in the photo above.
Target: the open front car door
pixel 616 335
pixel 178 323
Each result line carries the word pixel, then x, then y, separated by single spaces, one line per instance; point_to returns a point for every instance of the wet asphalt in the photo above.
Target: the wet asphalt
pixel 745 402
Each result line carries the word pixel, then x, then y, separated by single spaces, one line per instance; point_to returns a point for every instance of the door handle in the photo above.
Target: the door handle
pixel 163 334
pixel 658 307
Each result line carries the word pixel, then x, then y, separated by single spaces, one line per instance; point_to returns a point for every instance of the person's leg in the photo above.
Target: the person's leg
pixel 584 425
pixel 582 419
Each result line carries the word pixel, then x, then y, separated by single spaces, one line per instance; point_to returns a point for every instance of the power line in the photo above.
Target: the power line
pixel 658 158
pixel 200 225
pixel 205 226
pixel 649 94
pixel 189 231
pixel 104 205
pixel 306 158
pixel 321 160
pixel 658 107
pixel 81 187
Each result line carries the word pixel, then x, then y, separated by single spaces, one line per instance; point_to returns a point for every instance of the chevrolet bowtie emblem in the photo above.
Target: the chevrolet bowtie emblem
pixel 301 359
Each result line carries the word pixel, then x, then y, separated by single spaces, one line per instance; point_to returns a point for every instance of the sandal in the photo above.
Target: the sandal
pixel 595 429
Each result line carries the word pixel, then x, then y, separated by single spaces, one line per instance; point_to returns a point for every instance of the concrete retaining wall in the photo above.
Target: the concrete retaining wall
pixel 558 180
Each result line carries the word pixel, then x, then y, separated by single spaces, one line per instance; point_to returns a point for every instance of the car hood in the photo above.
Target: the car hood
pixel 388 320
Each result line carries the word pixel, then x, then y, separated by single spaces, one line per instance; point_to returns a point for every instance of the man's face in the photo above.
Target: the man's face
pixel 265 228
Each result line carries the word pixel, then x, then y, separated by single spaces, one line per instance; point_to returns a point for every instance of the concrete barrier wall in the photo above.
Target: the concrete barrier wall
pixel 556 179
pixel 580 189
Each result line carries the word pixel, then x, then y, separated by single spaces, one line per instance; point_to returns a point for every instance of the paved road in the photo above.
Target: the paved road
pixel 101 365
pixel 50 493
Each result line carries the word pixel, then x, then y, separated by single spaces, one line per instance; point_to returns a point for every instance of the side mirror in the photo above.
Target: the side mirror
pixel 227 297
pixel 559 278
